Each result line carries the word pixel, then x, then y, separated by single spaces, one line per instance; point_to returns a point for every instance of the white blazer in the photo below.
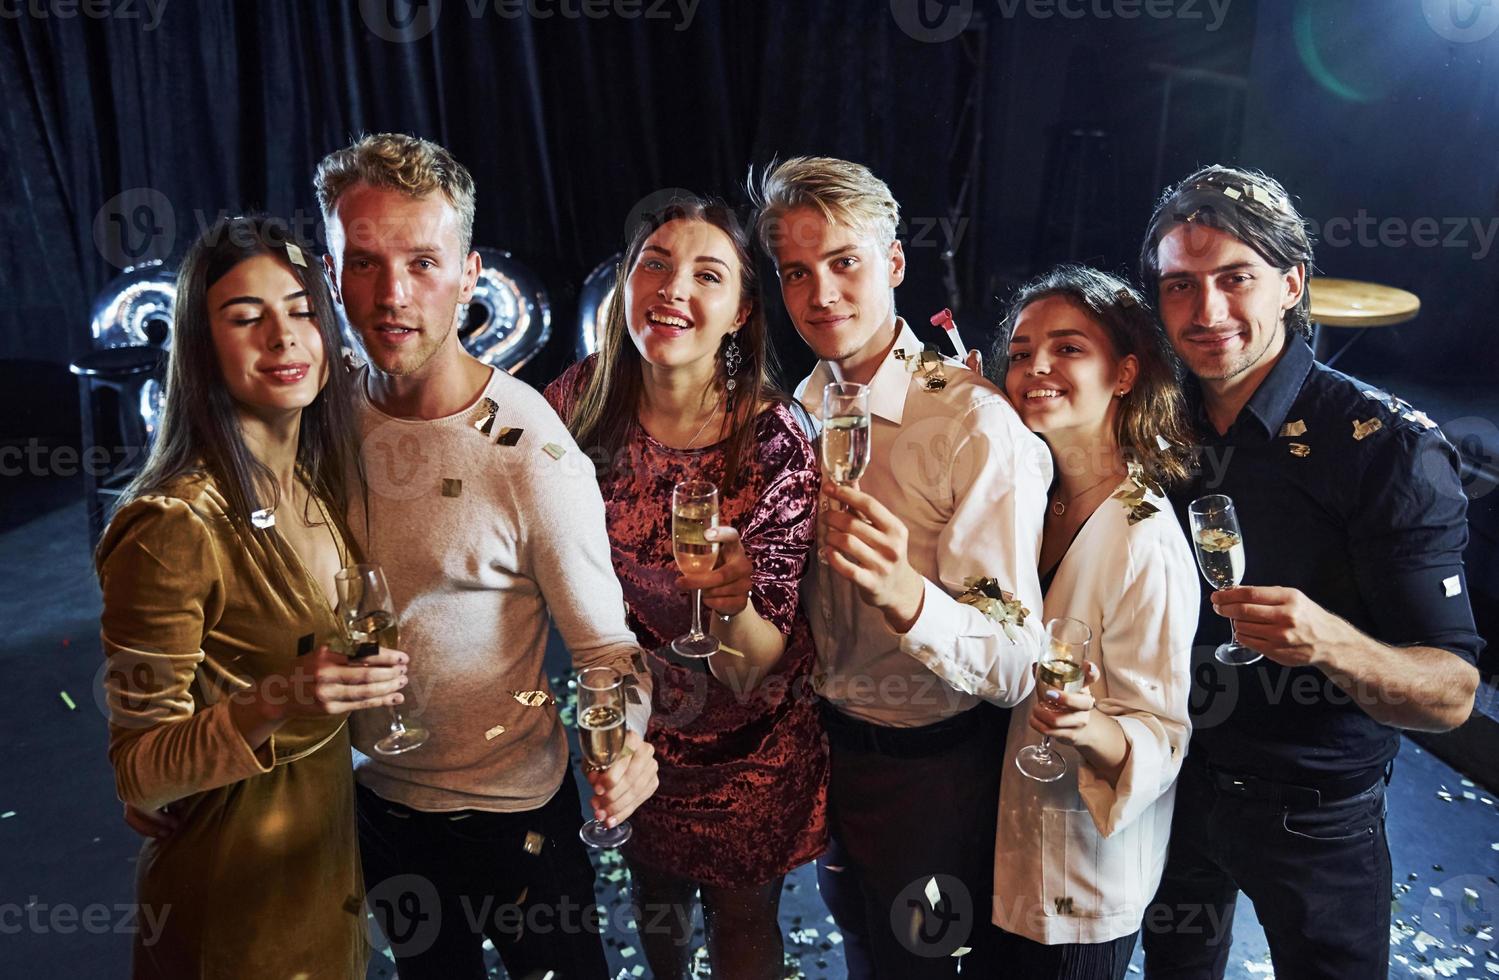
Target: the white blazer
pixel 1077 860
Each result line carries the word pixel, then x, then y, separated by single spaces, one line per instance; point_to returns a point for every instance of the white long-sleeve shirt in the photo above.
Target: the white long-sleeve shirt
pixel 969 482
pixel 481 542
pixel 1076 860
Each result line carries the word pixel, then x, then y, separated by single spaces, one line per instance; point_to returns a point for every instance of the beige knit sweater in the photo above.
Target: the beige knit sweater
pixel 481 542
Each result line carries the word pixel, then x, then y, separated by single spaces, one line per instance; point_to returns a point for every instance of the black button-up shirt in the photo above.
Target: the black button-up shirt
pixel 1372 529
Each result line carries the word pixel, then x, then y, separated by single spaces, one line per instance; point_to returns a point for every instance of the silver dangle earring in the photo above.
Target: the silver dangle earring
pixel 731 358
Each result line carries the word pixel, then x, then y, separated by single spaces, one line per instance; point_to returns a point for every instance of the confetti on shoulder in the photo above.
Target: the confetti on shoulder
pixel 509 436
pixel 553 450
pixel 1296 428
pixel 533 699
pixel 494 733
pixel 1362 430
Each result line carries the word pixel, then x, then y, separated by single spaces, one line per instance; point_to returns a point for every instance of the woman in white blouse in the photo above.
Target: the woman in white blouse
pixel 1077 859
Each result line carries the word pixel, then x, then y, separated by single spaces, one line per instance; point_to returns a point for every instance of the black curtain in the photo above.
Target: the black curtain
pixel 126 136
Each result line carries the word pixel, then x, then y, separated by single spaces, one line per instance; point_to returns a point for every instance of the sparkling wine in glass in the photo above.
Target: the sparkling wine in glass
pixel 1064 651
pixel 1220 554
pixel 369 616
pixel 845 431
pixel 601 732
pixel 694 510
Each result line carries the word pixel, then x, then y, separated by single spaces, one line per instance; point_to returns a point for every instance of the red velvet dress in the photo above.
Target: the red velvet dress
pixel 743 794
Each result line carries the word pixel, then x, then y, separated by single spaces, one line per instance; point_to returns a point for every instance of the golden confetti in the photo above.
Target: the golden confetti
pixel 1232 192
pixel 1420 418
pixel 1132 495
pixel 509 436
pixel 1296 428
pixel 487 410
pixel 533 842
pixel 985 595
pixel 533 699
pixel 928 365
pixel 1362 430
pixel 1260 194
pixel 553 450
pixel 632 694
pixel 1300 449
pixel 452 488
pixel 295 254
pixel 494 733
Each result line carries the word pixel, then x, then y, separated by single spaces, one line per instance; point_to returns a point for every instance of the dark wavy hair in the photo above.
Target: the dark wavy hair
pixel 200 432
pixel 1153 407
pixel 606 409
pixel 1247 204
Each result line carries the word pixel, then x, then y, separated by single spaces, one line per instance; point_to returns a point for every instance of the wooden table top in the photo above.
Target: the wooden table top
pixel 1350 303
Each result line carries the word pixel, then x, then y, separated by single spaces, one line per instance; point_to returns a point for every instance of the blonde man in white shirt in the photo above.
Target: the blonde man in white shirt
pixel 912 681
pixel 1078 859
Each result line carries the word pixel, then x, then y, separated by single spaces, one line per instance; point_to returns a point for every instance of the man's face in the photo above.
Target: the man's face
pixel 398 264
pixel 838 284
pixel 1223 306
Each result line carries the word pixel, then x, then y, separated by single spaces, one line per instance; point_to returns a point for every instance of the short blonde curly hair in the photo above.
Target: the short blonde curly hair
pixel 400 162
pixel 842 192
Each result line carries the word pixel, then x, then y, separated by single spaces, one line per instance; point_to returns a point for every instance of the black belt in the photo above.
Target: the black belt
pixel 847 732
pixel 1250 787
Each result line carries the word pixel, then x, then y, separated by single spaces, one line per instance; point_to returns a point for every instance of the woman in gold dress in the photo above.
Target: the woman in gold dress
pixel 227 706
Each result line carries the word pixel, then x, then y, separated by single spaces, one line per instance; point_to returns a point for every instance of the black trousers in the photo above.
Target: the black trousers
pixel 901 824
pixel 1319 877
pixel 1028 959
pixel 439 883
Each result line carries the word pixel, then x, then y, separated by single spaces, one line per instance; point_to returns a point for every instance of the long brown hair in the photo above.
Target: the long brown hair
pixel 607 407
pixel 1153 407
pixel 200 431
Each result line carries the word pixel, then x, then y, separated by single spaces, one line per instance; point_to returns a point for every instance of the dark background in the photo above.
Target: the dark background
pixel 568 122
pixel 1015 133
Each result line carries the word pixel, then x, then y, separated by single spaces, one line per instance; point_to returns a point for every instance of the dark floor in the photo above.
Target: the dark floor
pixel 66 860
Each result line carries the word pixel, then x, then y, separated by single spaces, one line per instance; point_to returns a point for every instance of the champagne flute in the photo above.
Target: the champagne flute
pixel 845 431
pixel 694 509
pixel 601 732
pixel 369 616
pixel 1060 665
pixel 1220 554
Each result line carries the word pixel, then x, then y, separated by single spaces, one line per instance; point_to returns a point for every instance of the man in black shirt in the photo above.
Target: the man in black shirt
pixel 1354 523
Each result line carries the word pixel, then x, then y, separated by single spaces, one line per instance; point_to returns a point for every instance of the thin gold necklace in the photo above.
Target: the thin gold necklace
pixel 700 428
pixel 1058 508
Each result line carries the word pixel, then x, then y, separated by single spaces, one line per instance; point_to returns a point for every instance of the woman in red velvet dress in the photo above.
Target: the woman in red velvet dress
pixel 680 391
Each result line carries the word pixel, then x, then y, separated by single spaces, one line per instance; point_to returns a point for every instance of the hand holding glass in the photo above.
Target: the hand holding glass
pixel 1064 652
pixel 369 616
pixel 1220 554
pixel 601 732
pixel 694 511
